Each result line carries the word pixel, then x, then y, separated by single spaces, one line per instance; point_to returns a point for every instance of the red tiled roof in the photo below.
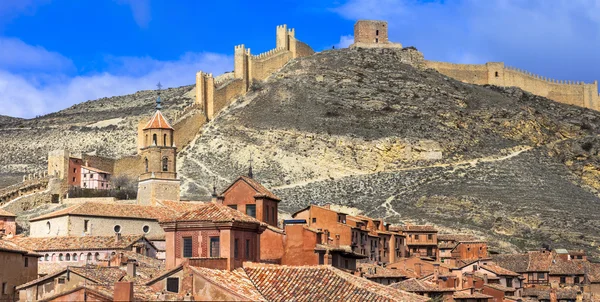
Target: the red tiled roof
pixel 514 262
pixel 12 247
pixel 98 274
pixel 539 261
pixel 5 213
pixel 500 287
pixel 414 285
pixel 413 228
pixel 498 270
pixel 468 295
pixel 373 271
pixel 215 212
pixel 261 191
pixel 114 210
pixel 566 267
pixel 235 281
pixel 158 121
pixel 68 243
pixel 319 283
pixel 593 271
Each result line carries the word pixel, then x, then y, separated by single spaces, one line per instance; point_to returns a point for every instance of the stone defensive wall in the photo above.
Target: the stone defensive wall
pixel 32 183
pixel 214 94
pixel 495 73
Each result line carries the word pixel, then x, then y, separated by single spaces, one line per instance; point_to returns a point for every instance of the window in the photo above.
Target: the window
pixel 61 280
pixel 187 247
pixel 563 279
pixel 429 237
pixel 267 213
pixel 146 163
pixel 273 215
pixel 377 32
pixel 165 140
pixel 509 282
pixel 346 263
pixel 47 257
pixel 173 285
pixel 26 261
pixel 233 206
pixel 117 228
pixel 496 74
pixel 251 210
pixel 68 257
pixel 214 247
pixel 314 220
pixel 247 248
pixel 416 237
pixel 89 256
pixel 74 257
pixel 61 257
pixel 165 164
pixel 235 249
pixel 540 275
pixel 86 225
pixel 4 292
pixel 97 256
pixel 73 179
pixel 146 229
pixel 576 280
pixel 376 40
pixel 74 170
pixel 154 139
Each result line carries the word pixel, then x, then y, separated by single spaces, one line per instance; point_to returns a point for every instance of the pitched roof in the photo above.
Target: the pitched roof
pixel 235 281
pixel 498 270
pixel 514 262
pixel 593 271
pixel 74 243
pixel 261 191
pixel 215 212
pixel 375 271
pixel 539 261
pixel 12 247
pixel 468 295
pixel 5 213
pixel 95 170
pixel 319 283
pixel 106 209
pixel 98 274
pixel 414 285
pixel 158 121
pixel 562 293
pixel 566 267
pixel 500 287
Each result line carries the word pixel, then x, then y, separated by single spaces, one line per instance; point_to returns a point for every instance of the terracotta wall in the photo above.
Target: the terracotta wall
pixel 271 246
pixel 9 225
pixel 299 246
pixel 14 272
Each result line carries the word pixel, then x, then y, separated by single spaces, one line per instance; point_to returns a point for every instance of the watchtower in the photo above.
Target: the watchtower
pixel 371 32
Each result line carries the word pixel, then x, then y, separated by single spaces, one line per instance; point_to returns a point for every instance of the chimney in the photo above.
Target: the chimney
pixel 117 237
pixel 485 278
pixel 123 291
pixel 418 269
pixel 553 296
pixel 131 267
pixel 436 272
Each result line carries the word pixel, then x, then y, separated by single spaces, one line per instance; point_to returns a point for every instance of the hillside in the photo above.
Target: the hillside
pixel 362 129
pixel 106 127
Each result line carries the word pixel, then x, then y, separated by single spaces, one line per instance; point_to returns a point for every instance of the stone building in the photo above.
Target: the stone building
pixel 18 265
pixel 372 33
pixel 8 225
pixel 214 235
pixel 159 180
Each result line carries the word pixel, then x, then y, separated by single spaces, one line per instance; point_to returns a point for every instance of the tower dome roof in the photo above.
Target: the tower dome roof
pixel 158 121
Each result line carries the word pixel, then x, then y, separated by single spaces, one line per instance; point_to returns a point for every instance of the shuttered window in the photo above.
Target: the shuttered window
pixel 187 247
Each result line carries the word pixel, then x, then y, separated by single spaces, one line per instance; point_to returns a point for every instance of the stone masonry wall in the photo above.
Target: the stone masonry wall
pixel 264 65
pixel 495 73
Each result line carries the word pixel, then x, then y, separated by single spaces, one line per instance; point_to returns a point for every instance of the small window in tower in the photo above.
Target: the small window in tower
pixel 165 140
pixel 146 163
pixel 496 74
pixel 377 32
pixel 376 40
pixel 154 139
pixel 165 164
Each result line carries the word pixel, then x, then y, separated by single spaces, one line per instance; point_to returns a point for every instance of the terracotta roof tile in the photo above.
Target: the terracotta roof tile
pixel 498 270
pixel 414 285
pixel 566 267
pixel 235 281
pixel 539 261
pixel 468 295
pixel 500 287
pixel 215 212
pixel 319 283
pixel 413 228
pixel 514 262
pixel 67 243
pixel 5 213
pixel 158 121
pixel 261 191
pixel 593 271
pixel 98 274
pixel 373 271
pixel 101 209
pixel 14 247
pixel 563 293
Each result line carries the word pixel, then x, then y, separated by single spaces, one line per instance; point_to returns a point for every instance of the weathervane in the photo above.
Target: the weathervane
pixel 158 100
pixel 250 169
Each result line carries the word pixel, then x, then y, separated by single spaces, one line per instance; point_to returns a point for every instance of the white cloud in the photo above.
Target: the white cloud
pixel 345 41
pixel 43 89
pixel 140 10
pixel 17 55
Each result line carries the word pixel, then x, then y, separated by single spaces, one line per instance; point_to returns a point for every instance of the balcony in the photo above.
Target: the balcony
pixel 214 263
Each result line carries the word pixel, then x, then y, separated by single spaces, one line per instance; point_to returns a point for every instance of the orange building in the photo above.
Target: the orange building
pixel 421 239
pixel 214 236
pixel 18 265
pixel 8 226
pixel 456 248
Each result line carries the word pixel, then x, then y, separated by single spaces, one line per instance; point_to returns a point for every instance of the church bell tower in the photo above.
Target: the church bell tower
pixel 158 181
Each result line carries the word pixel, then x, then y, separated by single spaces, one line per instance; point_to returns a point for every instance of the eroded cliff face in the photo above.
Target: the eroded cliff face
pixel 372 129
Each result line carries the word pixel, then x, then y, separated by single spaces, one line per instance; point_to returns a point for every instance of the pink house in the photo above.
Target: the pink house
pixel 8 225
pixel 92 178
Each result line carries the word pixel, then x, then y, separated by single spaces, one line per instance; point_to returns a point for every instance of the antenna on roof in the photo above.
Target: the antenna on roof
pixel 158 100
pixel 250 174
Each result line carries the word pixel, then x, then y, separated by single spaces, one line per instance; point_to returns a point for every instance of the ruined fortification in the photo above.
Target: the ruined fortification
pixel 213 94
pixel 372 33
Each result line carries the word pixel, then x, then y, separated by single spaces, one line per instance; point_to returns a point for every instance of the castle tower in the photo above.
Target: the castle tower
pixel 372 33
pixel 158 180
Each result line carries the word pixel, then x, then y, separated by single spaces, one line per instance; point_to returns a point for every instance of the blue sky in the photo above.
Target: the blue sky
pixel 56 53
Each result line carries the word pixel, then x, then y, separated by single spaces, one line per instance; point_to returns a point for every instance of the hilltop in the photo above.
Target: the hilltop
pixel 374 131
pixel 361 128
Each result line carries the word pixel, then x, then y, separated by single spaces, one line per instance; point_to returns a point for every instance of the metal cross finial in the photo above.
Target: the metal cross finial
pixel 158 100
pixel 214 194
